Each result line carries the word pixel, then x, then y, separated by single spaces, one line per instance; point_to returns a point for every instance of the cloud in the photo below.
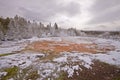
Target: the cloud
pixel 7 8
pixel 105 11
pixel 65 12
pixel 39 9
pixel 102 5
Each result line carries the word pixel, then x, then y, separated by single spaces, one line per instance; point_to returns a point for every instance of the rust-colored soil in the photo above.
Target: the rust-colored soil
pixel 62 46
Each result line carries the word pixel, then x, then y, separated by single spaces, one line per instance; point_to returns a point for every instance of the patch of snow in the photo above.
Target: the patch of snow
pixel 116 44
pixel 70 70
pixel 3 74
pixel 111 58
pixel 76 67
pixel 34 39
pixel 77 40
pixel 10 49
pixel 46 72
pixel 86 60
pixel 47 39
pixel 11 79
pixel 75 57
pixel 10 46
pixel 21 60
pixel 46 69
pixel 61 59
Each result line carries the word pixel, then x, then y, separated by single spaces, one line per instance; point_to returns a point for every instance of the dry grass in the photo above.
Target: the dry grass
pixel 99 71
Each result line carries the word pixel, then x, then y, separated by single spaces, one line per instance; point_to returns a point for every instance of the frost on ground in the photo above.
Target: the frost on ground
pixel 46 67
pixel 22 60
pixel 10 46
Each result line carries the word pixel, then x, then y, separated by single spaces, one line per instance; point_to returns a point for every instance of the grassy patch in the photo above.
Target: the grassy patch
pixel 62 76
pixel 117 78
pixel 11 72
pixel 29 73
pixel 20 74
pixel 32 75
pixel 6 54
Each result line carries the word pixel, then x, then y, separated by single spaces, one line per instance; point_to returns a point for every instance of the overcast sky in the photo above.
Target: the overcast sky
pixel 82 14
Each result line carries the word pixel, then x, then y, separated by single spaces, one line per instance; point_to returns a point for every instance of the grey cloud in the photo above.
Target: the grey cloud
pixel 35 15
pixel 48 10
pixel 72 8
pixel 9 8
pixel 101 5
pixel 110 17
pixel 39 9
pixel 101 11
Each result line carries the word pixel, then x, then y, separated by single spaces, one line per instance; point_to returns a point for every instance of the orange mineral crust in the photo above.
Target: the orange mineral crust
pixel 63 46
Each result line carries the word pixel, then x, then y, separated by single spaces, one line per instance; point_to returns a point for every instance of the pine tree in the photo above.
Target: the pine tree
pixel 55 26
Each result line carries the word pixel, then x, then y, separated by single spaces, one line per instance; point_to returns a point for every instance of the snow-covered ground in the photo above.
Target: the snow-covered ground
pixel 22 60
pixel 65 61
pixel 10 46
